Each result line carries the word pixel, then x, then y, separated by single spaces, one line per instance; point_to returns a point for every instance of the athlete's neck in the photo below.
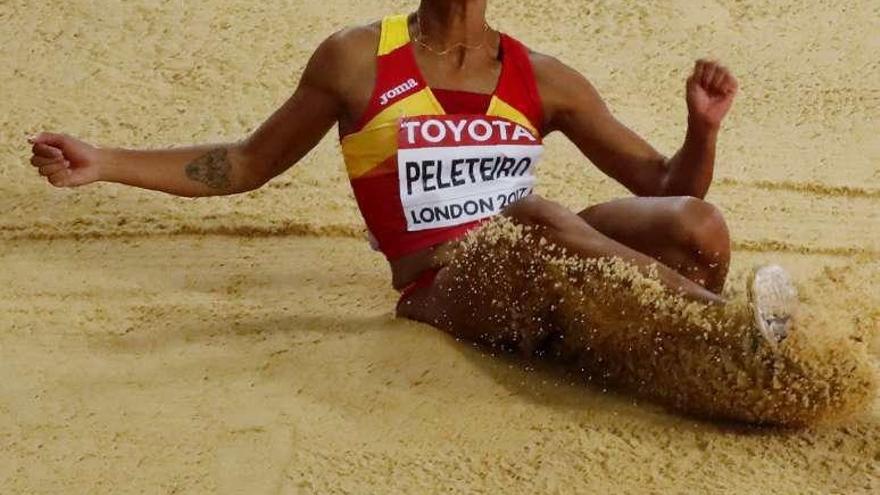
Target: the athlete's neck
pixel 451 22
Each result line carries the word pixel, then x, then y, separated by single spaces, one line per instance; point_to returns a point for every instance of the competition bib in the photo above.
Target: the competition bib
pixel 455 169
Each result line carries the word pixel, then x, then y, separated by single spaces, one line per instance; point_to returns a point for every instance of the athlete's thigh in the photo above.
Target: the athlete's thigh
pixel 491 284
pixel 466 310
pixel 490 292
pixel 651 225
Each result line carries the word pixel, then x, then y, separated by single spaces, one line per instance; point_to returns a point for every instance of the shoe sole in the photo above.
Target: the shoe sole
pixel 773 298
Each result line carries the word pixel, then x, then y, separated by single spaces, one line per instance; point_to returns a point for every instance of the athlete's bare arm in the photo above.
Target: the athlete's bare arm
pixel 573 107
pixel 323 97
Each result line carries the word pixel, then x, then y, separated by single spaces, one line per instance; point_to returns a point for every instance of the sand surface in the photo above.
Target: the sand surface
pixel 247 345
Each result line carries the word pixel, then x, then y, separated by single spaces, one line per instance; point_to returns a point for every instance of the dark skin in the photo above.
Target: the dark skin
pixel 336 87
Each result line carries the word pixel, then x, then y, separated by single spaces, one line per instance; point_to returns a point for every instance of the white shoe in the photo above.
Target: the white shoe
pixel 774 300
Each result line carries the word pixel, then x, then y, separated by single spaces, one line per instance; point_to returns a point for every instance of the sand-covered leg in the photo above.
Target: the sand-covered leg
pixel 627 329
pixel 492 292
pixel 705 360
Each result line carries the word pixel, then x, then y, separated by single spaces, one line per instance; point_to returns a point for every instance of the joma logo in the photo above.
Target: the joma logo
pixel 397 91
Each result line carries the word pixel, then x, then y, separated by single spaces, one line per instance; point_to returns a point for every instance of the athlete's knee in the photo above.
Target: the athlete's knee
pixel 699 227
pixel 538 211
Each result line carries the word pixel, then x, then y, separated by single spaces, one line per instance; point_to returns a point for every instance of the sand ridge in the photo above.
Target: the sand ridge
pixel 261 361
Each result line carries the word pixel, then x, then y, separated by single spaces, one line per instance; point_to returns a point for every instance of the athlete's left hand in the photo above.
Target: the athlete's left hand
pixel 710 93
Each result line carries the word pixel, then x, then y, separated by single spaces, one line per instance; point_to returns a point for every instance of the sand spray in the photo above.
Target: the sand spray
pixel 616 326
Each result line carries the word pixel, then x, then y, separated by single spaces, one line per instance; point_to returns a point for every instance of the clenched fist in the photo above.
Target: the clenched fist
pixel 710 93
pixel 63 160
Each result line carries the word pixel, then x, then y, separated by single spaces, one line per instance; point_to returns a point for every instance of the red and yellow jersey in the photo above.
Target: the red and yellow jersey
pixel 423 175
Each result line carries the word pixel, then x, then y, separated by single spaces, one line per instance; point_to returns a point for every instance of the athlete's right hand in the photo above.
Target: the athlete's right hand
pixel 65 161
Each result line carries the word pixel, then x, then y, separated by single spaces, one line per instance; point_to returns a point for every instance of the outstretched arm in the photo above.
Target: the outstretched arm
pixel 207 170
pixel 574 107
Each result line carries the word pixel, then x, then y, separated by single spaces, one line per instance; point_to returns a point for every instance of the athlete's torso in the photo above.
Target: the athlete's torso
pixel 427 164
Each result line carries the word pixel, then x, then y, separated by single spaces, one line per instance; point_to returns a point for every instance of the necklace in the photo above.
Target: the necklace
pixel 420 39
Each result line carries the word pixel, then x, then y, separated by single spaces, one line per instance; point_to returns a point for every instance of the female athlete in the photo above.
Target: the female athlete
pixel 441 120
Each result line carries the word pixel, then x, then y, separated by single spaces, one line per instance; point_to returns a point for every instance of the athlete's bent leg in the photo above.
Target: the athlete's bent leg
pixel 508 287
pixel 685 233
pixel 466 310
pixel 569 231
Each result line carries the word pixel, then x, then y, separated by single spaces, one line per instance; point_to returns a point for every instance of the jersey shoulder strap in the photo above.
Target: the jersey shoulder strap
pixel 395 34
pixel 518 87
pixel 400 89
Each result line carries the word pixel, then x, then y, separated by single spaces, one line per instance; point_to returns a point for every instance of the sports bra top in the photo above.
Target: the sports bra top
pixel 427 165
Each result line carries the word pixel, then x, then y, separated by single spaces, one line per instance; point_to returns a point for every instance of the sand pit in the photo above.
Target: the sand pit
pixel 247 345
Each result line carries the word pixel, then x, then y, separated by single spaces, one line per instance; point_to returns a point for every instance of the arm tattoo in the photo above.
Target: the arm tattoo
pixel 211 169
